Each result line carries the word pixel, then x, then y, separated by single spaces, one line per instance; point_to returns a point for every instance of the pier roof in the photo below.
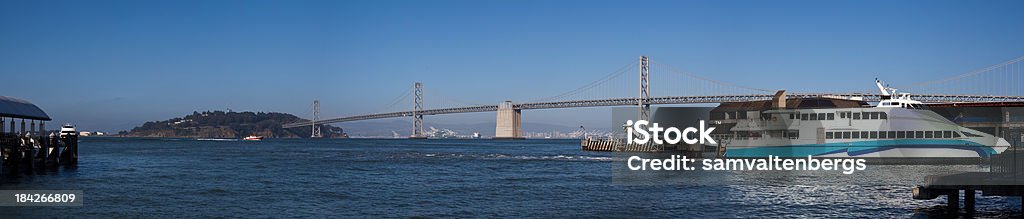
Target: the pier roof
pixel 22 109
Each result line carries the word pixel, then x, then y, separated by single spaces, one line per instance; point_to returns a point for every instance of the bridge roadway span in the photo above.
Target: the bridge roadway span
pixel 927 98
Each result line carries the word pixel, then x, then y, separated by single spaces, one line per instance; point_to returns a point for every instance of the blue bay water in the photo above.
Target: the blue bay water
pixel 125 177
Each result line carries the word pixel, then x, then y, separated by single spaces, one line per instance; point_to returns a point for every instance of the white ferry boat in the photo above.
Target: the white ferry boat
pixel 898 127
pixel 253 138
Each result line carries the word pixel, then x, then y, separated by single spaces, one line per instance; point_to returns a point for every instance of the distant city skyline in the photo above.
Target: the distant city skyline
pixel 112 65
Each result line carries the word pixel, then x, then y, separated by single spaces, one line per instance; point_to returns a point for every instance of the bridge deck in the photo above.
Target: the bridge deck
pixel 927 98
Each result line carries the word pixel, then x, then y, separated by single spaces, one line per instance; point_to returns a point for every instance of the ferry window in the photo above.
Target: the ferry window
pixel 831 116
pixel 792 116
pixel 947 134
pixel 814 116
pixel 842 115
pixel 828 135
pixel 901 134
pixel 856 134
pixel 956 134
pixel 856 116
pixel 882 135
pixel 821 116
pixel 874 134
pixel 892 134
pixel 968 134
pixel 874 115
pixel 919 134
pixel 928 134
pixel 791 134
pixel 883 115
pixel 803 116
pixel 846 135
pixel 864 134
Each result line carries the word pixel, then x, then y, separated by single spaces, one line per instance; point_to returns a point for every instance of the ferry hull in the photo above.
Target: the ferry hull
pixel 898 148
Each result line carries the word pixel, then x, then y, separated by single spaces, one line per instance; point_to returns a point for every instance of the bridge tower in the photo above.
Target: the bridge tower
pixel 644 102
pixel 510 122
pixel 316 116
pixel 417 116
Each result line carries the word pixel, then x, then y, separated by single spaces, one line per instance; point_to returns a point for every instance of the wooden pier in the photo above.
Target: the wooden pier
pixel 20 153
pixel 32 146
pixel 951 185
pixel 1004 179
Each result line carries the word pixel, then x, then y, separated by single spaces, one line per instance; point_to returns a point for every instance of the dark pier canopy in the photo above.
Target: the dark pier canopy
pixel 17 108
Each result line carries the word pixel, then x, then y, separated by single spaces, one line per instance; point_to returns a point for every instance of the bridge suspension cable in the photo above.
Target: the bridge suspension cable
pixel 399 102
pixel 692 84
pixel 1003 79
pixel 434 98
pixel 592 85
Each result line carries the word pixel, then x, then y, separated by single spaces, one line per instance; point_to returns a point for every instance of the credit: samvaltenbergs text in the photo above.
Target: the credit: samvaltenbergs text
pixel 676 162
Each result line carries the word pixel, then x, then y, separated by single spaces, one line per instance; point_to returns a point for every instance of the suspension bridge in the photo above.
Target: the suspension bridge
pixel 997 83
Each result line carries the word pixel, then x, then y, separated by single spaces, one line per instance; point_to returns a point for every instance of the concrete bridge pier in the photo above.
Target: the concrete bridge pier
pixel 510 122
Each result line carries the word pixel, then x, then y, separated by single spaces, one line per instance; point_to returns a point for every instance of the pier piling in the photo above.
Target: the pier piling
pixel 953 200
pixel 969 200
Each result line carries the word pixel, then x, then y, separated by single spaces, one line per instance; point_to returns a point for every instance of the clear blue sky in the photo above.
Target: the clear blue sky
pixel 111 65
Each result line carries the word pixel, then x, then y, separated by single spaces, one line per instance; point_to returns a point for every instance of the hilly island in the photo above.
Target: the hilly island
pixel 220 124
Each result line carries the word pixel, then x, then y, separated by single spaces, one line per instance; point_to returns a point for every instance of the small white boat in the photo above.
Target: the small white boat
pixel 253 138
pixel 67 129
